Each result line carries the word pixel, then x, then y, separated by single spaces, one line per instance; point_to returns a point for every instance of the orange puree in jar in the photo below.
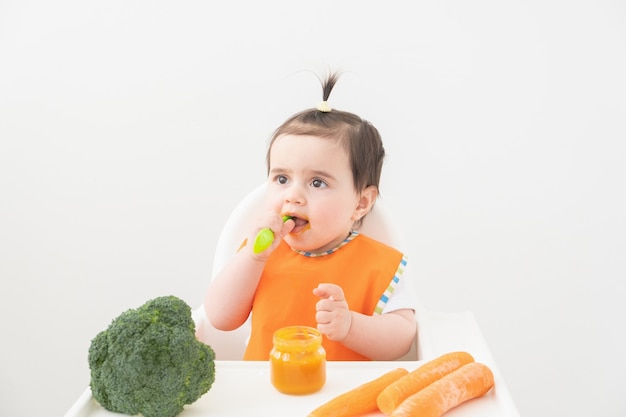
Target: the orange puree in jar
pixel 298 360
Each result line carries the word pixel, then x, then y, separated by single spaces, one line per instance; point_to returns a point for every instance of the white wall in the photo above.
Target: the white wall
pixel 129 130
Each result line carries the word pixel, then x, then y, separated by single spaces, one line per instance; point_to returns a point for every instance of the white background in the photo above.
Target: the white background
pixel 130 129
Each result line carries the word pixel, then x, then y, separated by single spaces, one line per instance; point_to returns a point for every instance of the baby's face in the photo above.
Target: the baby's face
pixel 310 179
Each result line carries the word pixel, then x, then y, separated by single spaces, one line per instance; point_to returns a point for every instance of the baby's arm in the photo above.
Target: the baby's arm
pixel 228 299
pixel 379 337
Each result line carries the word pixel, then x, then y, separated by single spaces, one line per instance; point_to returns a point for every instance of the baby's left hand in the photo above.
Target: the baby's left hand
pixel 333 315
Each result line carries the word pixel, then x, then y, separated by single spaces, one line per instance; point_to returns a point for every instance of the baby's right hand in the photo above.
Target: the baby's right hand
pixel 268 237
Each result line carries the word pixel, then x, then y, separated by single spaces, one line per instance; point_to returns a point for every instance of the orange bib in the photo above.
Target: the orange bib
pixel 363 268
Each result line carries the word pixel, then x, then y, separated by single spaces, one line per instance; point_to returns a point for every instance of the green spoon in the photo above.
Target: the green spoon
pixel 264 238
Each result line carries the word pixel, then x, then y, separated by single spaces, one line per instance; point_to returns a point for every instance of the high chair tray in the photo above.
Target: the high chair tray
pixel 243 388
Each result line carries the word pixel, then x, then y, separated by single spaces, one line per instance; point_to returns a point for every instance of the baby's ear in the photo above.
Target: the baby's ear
pixel 366 201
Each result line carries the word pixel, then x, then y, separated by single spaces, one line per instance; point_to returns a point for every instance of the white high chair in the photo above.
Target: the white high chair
pixel 437 333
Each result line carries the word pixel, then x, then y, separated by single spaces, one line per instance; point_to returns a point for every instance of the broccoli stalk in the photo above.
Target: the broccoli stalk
pixel 148 361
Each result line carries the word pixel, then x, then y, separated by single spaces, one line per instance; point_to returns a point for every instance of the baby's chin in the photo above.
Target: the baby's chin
pixel 303 243
pixel 298 242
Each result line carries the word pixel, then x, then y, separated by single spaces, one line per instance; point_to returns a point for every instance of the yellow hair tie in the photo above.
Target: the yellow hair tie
pixel 324 107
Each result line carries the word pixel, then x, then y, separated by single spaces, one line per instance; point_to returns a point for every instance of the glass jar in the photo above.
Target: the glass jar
pixel 298 360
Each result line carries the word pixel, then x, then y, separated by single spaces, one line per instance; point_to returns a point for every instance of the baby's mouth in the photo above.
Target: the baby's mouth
pixel 301 224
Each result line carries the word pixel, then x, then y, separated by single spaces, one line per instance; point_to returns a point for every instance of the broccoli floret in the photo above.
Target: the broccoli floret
pixel 148 361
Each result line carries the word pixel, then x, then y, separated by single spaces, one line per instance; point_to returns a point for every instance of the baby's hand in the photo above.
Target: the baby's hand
pixel 269 236
pixel 333 315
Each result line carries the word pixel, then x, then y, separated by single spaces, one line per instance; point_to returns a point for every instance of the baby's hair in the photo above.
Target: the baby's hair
pixel 328 84
pixel 359 137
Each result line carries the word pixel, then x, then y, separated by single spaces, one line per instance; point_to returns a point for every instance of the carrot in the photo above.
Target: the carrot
pixel 419 378
pixel 469 381
pixel 359 400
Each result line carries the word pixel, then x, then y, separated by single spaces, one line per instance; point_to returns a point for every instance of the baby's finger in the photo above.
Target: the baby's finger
pixel 323 317
pixel 326 304
pixel 287 227
pixel 329 291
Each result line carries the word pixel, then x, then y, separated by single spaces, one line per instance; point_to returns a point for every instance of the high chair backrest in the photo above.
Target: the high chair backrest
pixel 230 345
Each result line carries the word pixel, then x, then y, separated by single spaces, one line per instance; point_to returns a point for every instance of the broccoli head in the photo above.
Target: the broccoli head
pixel 148 361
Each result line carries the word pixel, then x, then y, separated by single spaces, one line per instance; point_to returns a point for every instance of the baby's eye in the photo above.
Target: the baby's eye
pixel 281 179
pixel 317 183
